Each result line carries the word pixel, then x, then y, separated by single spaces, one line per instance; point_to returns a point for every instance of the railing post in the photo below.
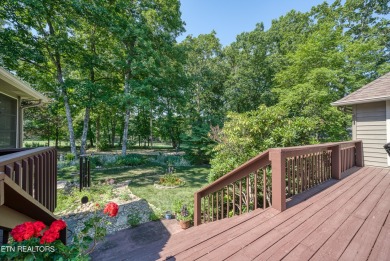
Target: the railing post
pixel 336 162
pixel 359 154
pixel 197 209
pixel 278 179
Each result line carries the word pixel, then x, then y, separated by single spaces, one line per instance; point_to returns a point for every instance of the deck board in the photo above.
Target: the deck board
pixel 344 220
pixel 327 215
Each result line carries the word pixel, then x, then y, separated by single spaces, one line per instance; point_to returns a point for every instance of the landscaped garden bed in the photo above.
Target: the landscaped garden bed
pixel 133 189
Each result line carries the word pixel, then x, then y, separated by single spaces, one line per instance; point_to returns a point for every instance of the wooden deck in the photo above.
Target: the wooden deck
pixel 337 220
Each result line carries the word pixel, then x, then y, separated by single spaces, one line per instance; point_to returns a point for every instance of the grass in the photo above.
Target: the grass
pixel 167 199
pixel 142 185
pixel 98 194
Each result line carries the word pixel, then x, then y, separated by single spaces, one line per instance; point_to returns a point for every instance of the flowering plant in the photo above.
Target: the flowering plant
pixel 34 241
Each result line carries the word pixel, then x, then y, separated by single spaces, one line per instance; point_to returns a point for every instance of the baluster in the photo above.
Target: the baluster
pixel 30 175
pixel 18 172
pixel 293 175
pixel 288 178
pixel 300 173
pixel 212 207
pixel 208 209
pixel 37 193
pixel 223 203
pixel 240 203
pixel 234 199
pixel 217 199
pixel 264 188
pixel 255 188
pixel 9 171
pixel 227 201
pixel 247 194
pixel 322 167
pixel 25 179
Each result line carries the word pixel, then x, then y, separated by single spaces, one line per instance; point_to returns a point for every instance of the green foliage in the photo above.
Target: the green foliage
pixel 33 250
pixel 153 216
pixel 185 214
pixel 199 145
pixel 116 160
pixel 130 160
pixel 133 219
pixel 247 134
pixel 101 194
pixel 172 160
pixel 69 157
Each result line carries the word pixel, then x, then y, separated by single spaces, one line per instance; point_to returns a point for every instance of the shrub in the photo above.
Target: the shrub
pixel 153 216
pixel 69 157
pixel 133 219
pixel 245 135
pixel 130 160
pixel 173 160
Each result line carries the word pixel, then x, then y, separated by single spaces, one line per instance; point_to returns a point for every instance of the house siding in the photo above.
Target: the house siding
pixel 370 120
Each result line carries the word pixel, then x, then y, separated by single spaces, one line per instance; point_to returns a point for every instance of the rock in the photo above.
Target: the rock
pixel 122 220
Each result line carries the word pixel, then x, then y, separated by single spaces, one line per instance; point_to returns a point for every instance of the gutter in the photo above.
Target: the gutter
pixel 39 102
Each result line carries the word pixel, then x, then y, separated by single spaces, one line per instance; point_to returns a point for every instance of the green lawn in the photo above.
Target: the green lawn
pixel 168 199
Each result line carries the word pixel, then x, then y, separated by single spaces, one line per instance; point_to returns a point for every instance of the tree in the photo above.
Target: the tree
pixel 38 38
pixel 250 80
pixel 247 134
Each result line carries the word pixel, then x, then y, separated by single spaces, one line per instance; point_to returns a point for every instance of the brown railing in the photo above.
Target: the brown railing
pixel 242 190
pixel 274 175
pixel 35 171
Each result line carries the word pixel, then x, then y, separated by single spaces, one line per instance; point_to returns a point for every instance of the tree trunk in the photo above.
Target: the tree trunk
pixel 125 132
pixel 56 58
pixel 72 140
pixel 57 136
pixel 127 114
pixel 83 148
pixel 98 133
pixel 151 127
pixel 113 128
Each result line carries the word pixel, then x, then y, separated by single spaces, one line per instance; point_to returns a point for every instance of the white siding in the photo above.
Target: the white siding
pixel 371 128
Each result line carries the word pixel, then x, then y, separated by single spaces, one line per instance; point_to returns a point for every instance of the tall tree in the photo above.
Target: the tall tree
pixel 38 37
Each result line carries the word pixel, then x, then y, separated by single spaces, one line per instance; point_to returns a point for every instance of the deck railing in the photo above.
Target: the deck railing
pixel 35 171
pixel 272 177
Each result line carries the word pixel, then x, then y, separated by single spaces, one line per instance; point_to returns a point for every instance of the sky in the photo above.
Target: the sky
pixel 232 17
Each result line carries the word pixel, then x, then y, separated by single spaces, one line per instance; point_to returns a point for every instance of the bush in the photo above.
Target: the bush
pixel 245 135
pixel 133 219
pixel 69 157
pixel 116 160
pixel 177 161
pixel 130 160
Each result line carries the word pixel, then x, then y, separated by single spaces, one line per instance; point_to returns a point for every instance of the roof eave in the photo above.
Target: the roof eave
pixel 22 86
pixel 361 101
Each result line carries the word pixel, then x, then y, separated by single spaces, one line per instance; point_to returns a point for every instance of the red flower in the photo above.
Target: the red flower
pixel 58 225
pixel 111 209
pixel 50 236
pixel 24 231
pixel 38 226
